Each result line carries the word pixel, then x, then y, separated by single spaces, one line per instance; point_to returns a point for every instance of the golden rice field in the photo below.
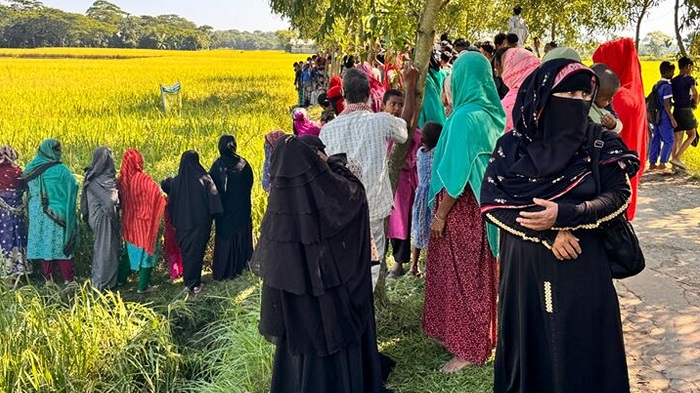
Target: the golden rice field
pixel 76 340
pixel 95 97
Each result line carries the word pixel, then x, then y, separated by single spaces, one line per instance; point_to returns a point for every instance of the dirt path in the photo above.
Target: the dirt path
pixel 661 306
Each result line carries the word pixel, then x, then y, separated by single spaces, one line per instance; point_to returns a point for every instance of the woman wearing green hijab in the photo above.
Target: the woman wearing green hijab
pixel 53 229
pixel 461 275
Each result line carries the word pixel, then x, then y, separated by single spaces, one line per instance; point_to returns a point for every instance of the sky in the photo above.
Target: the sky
pixel 247 15
pixel 256 15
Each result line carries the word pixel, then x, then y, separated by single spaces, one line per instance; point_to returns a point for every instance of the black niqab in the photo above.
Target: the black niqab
pixel 233 178
pixel 548 152
pixel 555 128
pixel 314 253
pixel 192 196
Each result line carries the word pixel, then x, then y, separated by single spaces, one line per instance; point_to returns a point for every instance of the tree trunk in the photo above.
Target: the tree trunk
pixel 554 31
pixel 421 60
pixel 679 38
pixel 642 13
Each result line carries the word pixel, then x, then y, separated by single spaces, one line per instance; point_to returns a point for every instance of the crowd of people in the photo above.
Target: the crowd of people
pixel 675 130
pixel 497 186
pixel 125 214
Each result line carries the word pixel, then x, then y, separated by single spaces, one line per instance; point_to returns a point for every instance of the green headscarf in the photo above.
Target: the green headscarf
pixel 59 190
pixel 433 110
pixel 470 134
pixel 48 155
pixel 562 53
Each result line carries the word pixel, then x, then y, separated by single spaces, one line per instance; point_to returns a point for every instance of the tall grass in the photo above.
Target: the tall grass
pixel 240 358
pixel 80 340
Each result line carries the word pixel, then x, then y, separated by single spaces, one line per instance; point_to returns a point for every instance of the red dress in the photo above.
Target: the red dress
pixel 629 102
pixel 172 250
pixel 461 284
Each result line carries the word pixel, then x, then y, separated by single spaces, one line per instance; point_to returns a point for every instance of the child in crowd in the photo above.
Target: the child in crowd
pixel 172 250
pixel 302 125
pixel 328 113
pixel 393 102
pixel 422 211
pixel 399 231
pixel 609 86
pixel 667 123
pixel 685 100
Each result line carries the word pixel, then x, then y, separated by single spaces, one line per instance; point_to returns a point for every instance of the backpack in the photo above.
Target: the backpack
pixel 653 106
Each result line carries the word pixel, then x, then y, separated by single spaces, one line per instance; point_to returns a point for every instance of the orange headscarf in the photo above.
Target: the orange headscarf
pixel 142 203
pixel 629 103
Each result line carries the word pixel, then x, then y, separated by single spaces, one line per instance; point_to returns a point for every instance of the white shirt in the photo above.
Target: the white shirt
pixel 517 25
pixel 364 137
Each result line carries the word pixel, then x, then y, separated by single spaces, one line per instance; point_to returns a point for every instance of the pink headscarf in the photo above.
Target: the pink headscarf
pixel 518 64
pixel 303 125
pixel 376 88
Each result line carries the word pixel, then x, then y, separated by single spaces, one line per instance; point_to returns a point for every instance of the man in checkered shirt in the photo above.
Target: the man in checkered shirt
pixel 364 135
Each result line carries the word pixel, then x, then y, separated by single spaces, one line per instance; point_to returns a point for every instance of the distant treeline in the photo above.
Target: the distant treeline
pixel 31 24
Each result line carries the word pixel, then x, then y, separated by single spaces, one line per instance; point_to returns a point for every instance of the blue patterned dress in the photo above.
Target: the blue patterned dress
pixel 13 231
pixel 422 211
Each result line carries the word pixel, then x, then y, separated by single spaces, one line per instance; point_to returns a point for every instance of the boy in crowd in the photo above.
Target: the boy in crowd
pixel 499 40
pixel 393 102
pixel 667 123
pixel 399 226
pixel 685 100
pixel 609 86
pixel 512 40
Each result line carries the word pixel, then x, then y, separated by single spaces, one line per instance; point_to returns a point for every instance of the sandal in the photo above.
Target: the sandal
pixel 198 290
pixel 150 289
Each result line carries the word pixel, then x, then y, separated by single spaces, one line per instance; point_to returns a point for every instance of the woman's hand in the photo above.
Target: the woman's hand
pixel 542 220
pixel 437 228
pixel 566 246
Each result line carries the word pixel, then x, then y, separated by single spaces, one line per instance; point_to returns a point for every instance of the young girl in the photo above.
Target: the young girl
pixel 422 211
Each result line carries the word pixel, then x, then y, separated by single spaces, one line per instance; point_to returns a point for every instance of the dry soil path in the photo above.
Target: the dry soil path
pixel 661 306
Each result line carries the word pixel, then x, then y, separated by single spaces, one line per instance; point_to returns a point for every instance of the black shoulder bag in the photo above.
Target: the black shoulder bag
pixel 620 240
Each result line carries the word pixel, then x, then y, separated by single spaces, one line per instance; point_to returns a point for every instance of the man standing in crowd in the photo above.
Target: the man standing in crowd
pixel 363 136
pixel 517 26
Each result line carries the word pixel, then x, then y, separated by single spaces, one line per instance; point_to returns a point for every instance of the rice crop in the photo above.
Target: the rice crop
pixel 93 97
pixel 78 340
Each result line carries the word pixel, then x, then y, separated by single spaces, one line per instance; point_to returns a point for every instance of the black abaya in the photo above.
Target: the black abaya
pixel 559 321
pixel 193 246
pixel 314 257
pixel 193 201
pixel 233 243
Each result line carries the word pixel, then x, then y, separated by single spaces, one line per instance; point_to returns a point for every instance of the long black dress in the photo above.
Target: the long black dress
pixel 559 321
pixel 193 201
pixel 314 258
pixel 233 243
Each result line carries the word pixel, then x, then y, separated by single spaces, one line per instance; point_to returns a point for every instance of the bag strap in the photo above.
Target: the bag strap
pixel 595 157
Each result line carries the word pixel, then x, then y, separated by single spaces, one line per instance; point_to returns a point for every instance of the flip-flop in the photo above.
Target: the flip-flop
pixel 678 164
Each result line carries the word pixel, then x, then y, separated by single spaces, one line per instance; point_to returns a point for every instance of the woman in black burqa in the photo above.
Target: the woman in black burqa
pixel 559 318
pixel 193 201
pixel 314 259
pixel 233 243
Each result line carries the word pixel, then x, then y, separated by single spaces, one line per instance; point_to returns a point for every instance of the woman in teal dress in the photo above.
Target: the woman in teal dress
pixel 53 229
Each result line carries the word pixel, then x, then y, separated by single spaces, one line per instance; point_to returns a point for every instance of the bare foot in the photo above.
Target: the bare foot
pixel 415 271
pixel 455 365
